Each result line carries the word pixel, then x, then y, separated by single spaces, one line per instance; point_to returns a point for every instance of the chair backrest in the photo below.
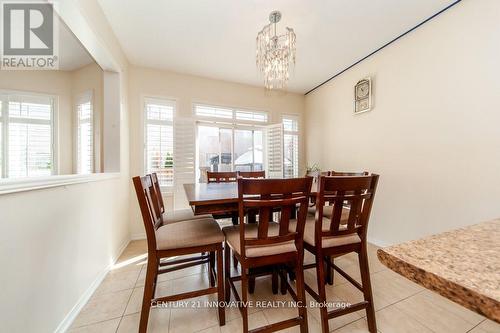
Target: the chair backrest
pixel 221 177
pixel 264 196
pixel 146 195
pixel 252 174
pixel 357 192
pixel 156 184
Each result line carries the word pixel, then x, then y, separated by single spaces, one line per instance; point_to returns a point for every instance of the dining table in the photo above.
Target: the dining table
pixel 462 265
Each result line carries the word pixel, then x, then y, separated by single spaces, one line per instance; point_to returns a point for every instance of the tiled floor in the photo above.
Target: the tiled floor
pixel 401 305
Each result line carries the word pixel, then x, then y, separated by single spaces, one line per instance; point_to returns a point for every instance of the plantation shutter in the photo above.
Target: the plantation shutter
pixel 29 136
pixel 185 159
pixel 291 146
pixel 274 150
pixel 159 139
pixel 85 134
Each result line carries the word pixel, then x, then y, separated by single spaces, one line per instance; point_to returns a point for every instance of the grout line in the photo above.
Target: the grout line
pixel 482 321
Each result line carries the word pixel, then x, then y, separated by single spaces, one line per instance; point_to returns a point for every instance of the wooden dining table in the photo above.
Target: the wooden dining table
pixel 217 198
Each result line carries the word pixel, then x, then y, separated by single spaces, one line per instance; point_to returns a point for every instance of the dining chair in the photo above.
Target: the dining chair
pixel 268 243
pixel 252 174
pixel 221 177
pixel 331 238
pixel 173 216
pixel 172 240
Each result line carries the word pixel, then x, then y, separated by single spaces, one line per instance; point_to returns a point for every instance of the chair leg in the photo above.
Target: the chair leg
pixel 251 284
pixel 220 289
pixel 367 289
pixel 301 296
pixel 274 282
pixel 227 271
pixel 151 274
pixel 211 269
pixel 244 298
pixel 329 271
pixel 283 282
pixel 320 275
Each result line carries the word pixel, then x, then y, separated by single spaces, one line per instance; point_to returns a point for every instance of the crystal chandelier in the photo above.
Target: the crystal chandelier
pixel 275 53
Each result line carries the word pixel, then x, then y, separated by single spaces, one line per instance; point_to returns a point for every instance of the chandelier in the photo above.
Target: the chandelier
pixel 275 53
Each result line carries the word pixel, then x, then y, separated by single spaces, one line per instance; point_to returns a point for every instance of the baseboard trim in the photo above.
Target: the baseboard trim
pixel 73 313
pixel 378 242
pixel 138 236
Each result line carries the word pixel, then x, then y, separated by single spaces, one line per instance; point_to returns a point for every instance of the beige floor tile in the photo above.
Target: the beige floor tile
pixel 104 307
pixel 433 315
pixel 462 312
pixel 487 326
pixel 181 319
pixel 108 326
pixel 135 303
pixel 255 320
pixel 389 287
pixel 213 329
pixel 118 280
pixel 359 326
pixel 393 320
pixel 200 269
pixel 158 322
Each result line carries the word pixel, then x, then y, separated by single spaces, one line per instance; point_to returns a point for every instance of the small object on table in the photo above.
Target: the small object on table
pixel 462 265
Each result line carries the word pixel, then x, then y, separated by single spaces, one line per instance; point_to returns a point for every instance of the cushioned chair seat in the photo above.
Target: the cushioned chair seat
pixel 232 234
pixel 309 231
pixel 182 215
pixel 327 211
pixel 188 233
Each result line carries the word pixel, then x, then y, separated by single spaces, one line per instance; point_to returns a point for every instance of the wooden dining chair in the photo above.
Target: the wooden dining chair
pixel 327 238
pixel 174 215
pixel 221 177
pixel 268 243
pixel 252 174
pixel 176 239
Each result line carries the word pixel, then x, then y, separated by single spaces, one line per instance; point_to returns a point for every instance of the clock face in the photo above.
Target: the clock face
pixel 362 90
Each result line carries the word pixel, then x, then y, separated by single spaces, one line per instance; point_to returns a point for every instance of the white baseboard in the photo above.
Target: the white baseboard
pixel 378 242
pixel 138 236
pixel 73 313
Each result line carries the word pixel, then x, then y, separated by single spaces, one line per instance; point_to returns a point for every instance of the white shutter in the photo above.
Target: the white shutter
pixel 185 158
pixel 291 146
pixel 274 150
pixel 29 136
pixel 85 134
pixel 159 137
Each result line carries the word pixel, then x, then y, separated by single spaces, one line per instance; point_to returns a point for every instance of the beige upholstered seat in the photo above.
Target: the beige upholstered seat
pixel 232 234
pixel 309 231
pixel 327 211
pixel 182 215
pixel 188 234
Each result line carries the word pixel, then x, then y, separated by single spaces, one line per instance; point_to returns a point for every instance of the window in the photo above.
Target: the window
pixel 85 134
pixel 159 139
pixel 237 116
pixel 291 146
pixel 26 140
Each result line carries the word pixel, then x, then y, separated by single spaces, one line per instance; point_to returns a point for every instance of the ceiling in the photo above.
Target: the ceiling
pixel 72 54
pixel 216 39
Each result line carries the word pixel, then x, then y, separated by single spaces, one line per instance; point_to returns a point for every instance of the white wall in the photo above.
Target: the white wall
pixel 186 90
pixel 56 243
pixel 433 135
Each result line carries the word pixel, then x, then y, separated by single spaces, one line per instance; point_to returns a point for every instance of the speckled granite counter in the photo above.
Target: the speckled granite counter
pixel 462 265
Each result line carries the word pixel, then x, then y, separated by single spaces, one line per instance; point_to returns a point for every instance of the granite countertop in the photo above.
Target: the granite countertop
pixel 462 265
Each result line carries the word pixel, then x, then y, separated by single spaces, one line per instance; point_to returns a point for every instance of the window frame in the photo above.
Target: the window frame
pixel 233 120
pixel 168 101
pixel 4 148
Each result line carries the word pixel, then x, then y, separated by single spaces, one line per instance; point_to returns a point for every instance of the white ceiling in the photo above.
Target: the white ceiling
pixel 72 54
pixel 216 38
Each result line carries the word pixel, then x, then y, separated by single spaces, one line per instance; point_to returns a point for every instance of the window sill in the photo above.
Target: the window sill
pixel 37 183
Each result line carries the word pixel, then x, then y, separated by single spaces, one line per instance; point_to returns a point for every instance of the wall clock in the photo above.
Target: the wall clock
pixel 363 96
